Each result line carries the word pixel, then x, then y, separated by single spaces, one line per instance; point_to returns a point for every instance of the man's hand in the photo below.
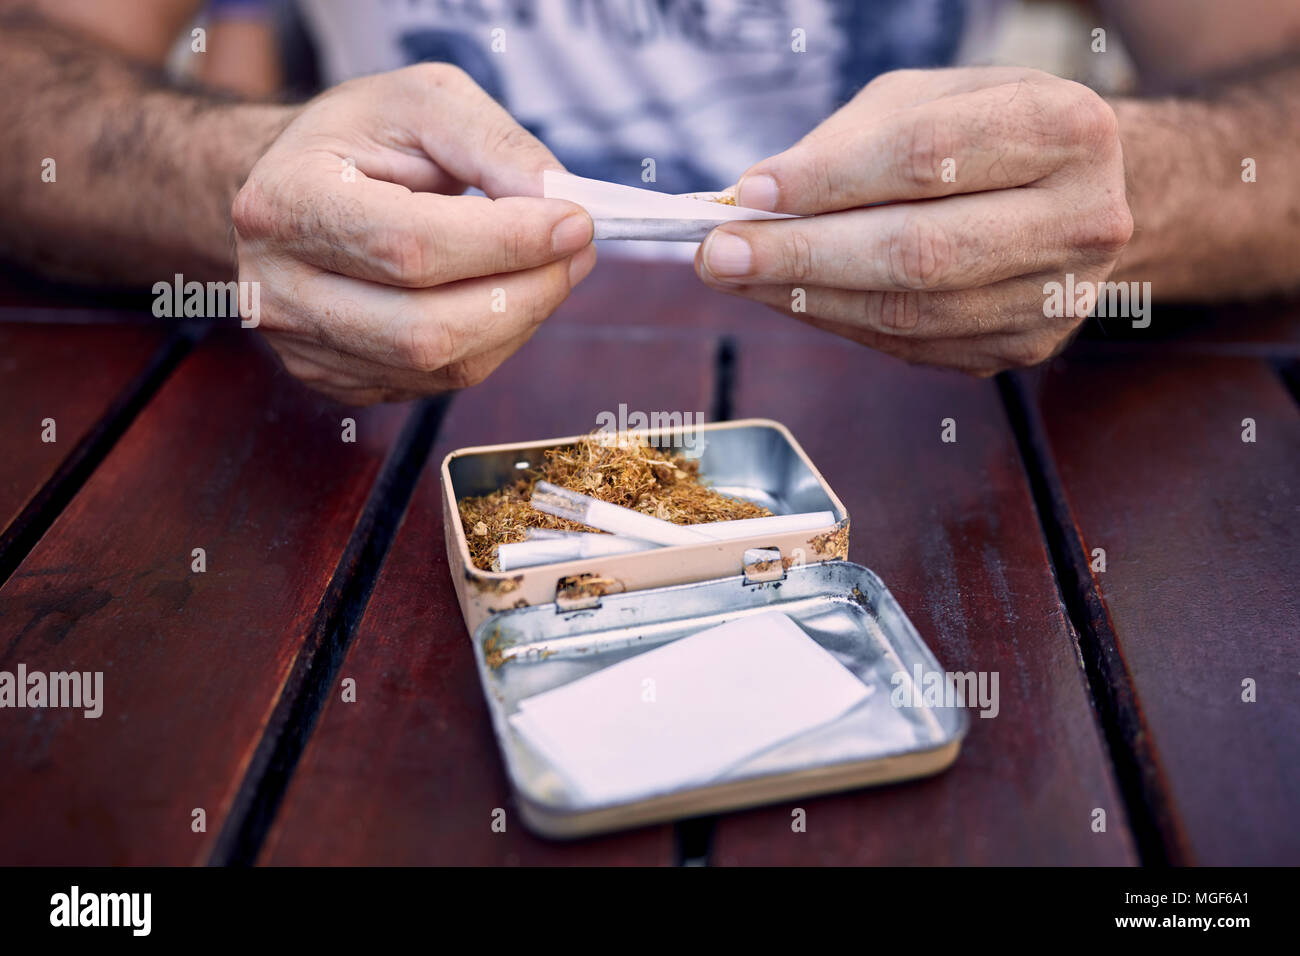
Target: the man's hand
pixel 378 281
pixel 948 273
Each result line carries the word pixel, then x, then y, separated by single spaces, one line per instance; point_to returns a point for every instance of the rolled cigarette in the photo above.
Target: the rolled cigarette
pixel 544 546
pixel 574 506
pixel 663 230
pixel 551 534
pixel 772 524
pixel 575 545
pixel 625 212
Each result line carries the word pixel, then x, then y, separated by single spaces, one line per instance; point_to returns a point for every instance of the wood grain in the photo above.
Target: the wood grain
pixel 952 531
pixel 70 373
pixel 410 773
pixel 1201 533
pixel 232 456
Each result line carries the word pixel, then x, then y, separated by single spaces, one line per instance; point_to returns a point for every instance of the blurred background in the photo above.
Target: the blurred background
pixel 262 48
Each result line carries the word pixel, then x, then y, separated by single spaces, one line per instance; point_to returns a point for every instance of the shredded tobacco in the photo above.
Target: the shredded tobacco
pixel 493 655
pixel 628 472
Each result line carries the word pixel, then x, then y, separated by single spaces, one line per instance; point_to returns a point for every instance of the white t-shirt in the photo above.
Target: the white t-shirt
pixel 704 88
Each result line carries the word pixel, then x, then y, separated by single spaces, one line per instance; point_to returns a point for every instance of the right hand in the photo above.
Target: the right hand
pixel 378 283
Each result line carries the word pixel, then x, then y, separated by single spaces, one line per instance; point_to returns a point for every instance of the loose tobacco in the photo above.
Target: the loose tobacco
pixel 628 472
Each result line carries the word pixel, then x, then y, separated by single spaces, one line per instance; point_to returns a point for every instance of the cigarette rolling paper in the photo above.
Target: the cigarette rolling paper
pixel 625 212
pixel 544 546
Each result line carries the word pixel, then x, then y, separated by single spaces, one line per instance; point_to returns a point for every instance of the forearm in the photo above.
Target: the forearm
pixel 143 176
pixel 1201 232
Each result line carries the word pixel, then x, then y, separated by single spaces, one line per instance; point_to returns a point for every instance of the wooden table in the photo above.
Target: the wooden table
pixel 1121 690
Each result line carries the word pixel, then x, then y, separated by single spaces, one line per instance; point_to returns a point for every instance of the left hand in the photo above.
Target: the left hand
pixel 948 273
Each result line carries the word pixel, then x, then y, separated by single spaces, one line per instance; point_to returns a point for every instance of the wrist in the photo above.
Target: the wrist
pixel 236 135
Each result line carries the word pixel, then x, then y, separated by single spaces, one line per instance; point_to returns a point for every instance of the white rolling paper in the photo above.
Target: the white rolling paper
pixel 625 212
pixel 551 547
pixel 685 713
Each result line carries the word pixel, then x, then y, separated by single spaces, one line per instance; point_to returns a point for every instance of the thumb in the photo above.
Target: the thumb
pixel 473 138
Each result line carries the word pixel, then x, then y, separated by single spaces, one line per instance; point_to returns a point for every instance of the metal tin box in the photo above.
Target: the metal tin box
pixel 541 627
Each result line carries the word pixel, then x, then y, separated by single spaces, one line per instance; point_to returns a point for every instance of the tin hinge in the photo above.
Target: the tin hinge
pixel 763 565
pixel 582 592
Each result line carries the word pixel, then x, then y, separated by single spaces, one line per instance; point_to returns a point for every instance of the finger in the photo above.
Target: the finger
pixel 980 355
pixel 432 110
pixel 901 89
pixel 472 137
pixel 329 370
pixel 958 243
pixel 382 232
pixel 1013 306
pixel 992 138
pixel 423 330
pixel 314 368
pixel 970 354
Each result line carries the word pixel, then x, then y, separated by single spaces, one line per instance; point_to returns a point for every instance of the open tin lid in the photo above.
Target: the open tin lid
pixel 893 734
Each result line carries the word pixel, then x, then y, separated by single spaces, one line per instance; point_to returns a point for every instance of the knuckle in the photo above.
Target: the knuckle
pixel 546 298
pixel 894 311
pixel 1089 120
pixel 822 174
pixel 464 374
pixel 293 210
pixel 1036 115
pixel 427 346
pixel 508 137
pixel 438 75
pixel 401 255
pixel 250 212
pixel 272 317
pixel 921 146
pixel 797 258
pixel 1024 352
pixel 1109 229
pixel 309 373
pixel 893 78
pixel 513 250
pixel 919 255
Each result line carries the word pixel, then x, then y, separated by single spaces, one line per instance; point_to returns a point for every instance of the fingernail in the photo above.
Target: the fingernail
pixel 581 264
pixel 757 192
pixel 727 255
pixel 570 234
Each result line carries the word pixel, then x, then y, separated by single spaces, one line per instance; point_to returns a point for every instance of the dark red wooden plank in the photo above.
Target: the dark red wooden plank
pixel 232 456
pixel 952 531
pixel 669 298
pixel 1248 328
pixel 70 373
pixel 1200 531
pixel 410 773
pixel 1266 328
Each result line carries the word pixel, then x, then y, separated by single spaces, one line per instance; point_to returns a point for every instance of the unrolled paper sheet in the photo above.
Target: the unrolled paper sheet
pixel 625 212
pixel 687 712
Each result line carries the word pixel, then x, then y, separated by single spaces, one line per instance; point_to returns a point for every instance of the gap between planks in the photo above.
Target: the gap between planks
pixel 18 540
pixel 326 643
pixel 693 838
pixel 1156 829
